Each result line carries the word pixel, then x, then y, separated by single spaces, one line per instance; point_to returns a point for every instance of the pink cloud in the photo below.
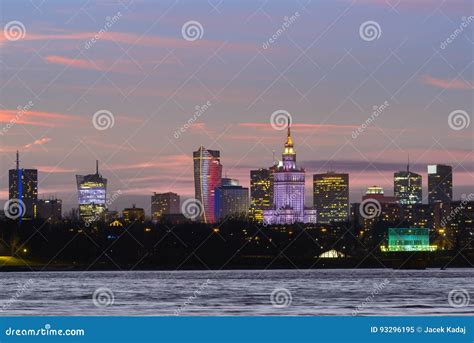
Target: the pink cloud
pixel 73 62
pixel 38 118
pixel 127 38
pixel 121 65
pixel 447 84
pixel 40 141
pixel 302 127
pixel 8 149
pixel 173 162
pixel 55 169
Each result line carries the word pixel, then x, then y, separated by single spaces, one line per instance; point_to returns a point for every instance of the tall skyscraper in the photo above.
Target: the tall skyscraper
pixel 261 192
pixel 407 187
pixel 232 200
pixel 164 204
pixel 331 196
pixel 92 192
pixel 207 176
pixel 440 183
pixel 23 186
pixel 288 191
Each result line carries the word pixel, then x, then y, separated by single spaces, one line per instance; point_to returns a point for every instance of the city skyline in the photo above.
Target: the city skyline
pixel 302 159
pixel 92 189
pixel 144 74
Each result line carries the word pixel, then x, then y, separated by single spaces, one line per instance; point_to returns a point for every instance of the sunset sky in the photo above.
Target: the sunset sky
pixel 150 78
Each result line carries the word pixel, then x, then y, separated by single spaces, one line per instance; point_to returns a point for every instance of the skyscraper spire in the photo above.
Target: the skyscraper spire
pixel 408 163
pixel 17 160
pixel 289 140
pixel 97 167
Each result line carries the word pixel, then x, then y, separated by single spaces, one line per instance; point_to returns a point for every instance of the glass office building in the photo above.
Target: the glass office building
pixel 440 183
pixel 331 197
pixel 91 191
pixel 407 187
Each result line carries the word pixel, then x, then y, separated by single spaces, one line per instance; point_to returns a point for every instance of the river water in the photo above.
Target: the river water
pixel 271 292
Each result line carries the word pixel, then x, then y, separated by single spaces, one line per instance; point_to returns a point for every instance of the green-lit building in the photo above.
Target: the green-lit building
pixel 408 239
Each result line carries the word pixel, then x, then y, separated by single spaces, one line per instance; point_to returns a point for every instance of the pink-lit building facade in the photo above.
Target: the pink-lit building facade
pixel 207 177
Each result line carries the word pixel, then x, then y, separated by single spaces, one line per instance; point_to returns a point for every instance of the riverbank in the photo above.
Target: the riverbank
pixel 394 261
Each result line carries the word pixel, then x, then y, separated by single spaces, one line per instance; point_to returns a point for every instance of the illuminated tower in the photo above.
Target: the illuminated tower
pixel 407 187
pixel 91 191
pixel 207 176
pixel 288 190
pixel 331 196
pixel 23 186
pixel 261 192
pixel 288 181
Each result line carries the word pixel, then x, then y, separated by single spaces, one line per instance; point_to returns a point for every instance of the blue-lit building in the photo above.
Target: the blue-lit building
pixel 23 187
pixel 91 191
pixel 231 200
